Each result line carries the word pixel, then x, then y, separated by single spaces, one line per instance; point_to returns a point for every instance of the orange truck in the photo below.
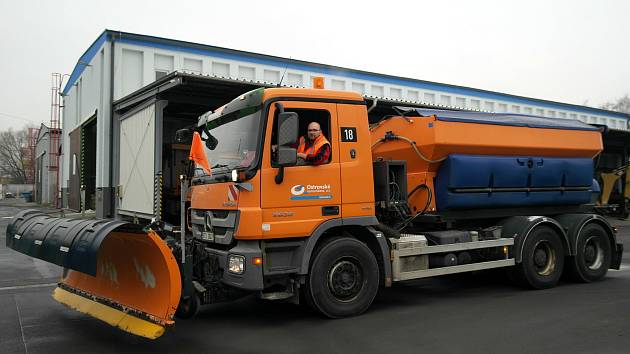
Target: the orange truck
pixel 415 194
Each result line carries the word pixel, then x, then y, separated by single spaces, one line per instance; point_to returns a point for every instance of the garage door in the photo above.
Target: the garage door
pixel 137 162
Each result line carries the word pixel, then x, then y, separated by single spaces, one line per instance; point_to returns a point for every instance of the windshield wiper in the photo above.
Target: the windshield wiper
pixel 219 166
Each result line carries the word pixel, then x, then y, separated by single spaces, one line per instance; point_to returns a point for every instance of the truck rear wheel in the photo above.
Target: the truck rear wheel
pixel 593 256
pixel 343 279
pixel 543 259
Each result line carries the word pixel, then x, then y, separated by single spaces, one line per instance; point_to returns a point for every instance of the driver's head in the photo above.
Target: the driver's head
pixel 314 130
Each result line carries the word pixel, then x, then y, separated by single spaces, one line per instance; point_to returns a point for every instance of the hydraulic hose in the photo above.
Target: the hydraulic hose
pixel 390 136
pixel 426 205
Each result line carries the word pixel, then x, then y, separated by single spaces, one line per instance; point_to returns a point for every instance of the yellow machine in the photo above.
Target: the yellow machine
pixel 608 183
pixel 419 193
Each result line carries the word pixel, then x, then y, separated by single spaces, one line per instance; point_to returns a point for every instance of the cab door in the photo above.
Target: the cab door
pixel 308 195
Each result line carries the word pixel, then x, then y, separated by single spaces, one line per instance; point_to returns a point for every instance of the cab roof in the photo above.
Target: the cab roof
pixel 312 93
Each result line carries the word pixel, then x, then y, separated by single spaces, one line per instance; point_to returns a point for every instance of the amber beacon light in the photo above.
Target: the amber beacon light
pixel 318 82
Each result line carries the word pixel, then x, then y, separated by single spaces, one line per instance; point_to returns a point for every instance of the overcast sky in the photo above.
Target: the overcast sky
pixel 567 51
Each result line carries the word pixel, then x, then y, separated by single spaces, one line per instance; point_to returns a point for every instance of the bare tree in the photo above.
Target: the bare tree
pixel 620 105
pixel 14 161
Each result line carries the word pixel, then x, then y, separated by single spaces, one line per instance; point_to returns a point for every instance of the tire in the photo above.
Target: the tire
pixel 543 259
pixel 188 308
pixel 343 279
pixel 593 257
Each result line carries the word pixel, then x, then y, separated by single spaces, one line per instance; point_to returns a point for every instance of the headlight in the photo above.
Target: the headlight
pixel 236 264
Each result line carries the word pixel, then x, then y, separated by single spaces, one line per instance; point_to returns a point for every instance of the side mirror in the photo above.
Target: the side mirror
pixel 183 136
pixel 287 138
pixel 211 142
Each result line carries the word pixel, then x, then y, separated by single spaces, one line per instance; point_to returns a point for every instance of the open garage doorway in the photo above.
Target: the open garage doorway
pixel 82 178
pixel 88 163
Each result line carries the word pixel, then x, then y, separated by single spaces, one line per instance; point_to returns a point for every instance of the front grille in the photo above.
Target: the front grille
pixel 214 226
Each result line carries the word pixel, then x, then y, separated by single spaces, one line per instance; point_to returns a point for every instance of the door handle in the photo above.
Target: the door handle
pixel 330 210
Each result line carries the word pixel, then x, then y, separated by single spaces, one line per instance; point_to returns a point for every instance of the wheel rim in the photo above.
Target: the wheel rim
pixel 544 258
pixel 593 253
pixel 345 279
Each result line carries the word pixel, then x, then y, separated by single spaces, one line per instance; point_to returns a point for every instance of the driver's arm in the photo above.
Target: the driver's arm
pixel 322 156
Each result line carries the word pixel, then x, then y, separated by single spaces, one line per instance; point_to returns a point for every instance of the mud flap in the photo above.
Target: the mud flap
pixel 617 255
pixel 114 271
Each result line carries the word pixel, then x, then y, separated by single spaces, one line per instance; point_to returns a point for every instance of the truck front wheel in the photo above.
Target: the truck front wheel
pixel 543 259
pixel 343 279
pixel 593 256
pixel 188 307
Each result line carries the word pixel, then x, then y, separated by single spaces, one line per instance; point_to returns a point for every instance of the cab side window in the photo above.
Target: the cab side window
pixel 306 117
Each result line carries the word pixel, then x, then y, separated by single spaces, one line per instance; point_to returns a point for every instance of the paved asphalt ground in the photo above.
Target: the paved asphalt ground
pixel 472 313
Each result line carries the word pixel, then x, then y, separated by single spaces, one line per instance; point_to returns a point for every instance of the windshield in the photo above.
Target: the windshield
pixel 236 135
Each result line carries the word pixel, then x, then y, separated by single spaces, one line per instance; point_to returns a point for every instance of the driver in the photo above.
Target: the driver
pixel 314 149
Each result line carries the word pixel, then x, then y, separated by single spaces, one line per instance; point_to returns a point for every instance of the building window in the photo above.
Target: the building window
pixel 562 115
pixel 540 112
pixel 412 95
pixel 78 98
pixel 132 77
pixel 573 116
pixel 193 65
pixel 358 87
pixel 338 84
pixel 395 93
pixel 378 91
pixel 551 114
pixel 163 65
pixel 295 79
pixel 502 107
pixel 272 76
pixel 221 69
pixel 247 72
pixel 475 104
pixel 445 100
pixel 527 110
pixel 460 102
pixel 429 98
pixel 489 106
pixel 516 109
pixel 160 74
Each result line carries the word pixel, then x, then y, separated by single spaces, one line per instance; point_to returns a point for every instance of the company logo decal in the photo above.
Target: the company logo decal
pixel 311 191
pixel 298 190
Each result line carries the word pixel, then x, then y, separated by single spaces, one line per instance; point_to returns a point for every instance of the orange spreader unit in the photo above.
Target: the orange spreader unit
pixel 435 139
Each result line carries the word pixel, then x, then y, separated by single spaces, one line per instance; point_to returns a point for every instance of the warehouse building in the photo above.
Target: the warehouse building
pixel 128 93
pixel 45 172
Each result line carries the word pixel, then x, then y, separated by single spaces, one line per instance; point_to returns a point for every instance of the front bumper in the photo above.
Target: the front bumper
pixel 252 276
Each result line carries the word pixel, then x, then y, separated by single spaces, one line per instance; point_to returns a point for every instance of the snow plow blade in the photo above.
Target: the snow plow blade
pixel 114 271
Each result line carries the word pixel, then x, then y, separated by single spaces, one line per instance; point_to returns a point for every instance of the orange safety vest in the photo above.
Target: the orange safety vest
pixel 314 148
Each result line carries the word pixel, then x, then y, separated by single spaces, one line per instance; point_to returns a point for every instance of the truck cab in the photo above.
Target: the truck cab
pixel 257 208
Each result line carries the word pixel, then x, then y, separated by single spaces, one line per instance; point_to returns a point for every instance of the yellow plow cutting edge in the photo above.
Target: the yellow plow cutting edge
pixel 112 316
